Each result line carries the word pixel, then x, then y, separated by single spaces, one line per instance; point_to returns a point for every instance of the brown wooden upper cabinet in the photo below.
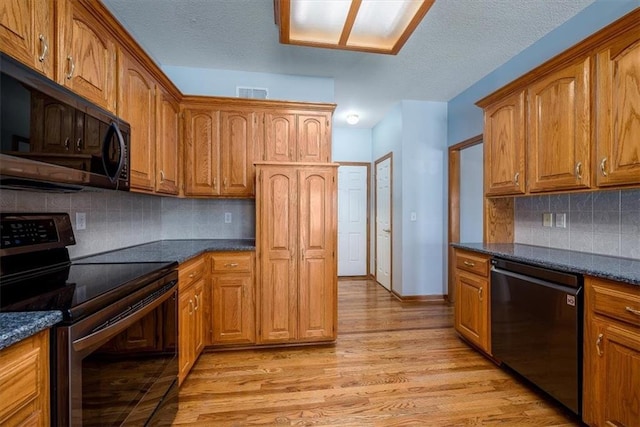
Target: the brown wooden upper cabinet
pixel 26 33
pixel 504 146
pixel 238 132
pixel 302 136
pixel 137 105
pixel 86 55
pixel 618 112
pixel 559 130
pixel 201 152
pixel 168 143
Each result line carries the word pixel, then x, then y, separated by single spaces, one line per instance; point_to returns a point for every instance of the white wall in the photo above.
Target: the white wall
pixel 351 145
pixel 212 82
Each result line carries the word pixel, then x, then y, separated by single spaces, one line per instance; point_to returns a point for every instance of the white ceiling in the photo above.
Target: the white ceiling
pixel 457 43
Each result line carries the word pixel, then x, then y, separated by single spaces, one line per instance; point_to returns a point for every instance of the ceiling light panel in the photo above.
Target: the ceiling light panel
pixel 380 26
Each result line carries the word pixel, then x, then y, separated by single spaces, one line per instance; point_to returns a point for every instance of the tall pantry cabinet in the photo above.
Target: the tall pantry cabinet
pixel 296 241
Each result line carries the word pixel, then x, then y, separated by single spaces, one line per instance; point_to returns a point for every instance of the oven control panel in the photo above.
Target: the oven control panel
pixel 35 231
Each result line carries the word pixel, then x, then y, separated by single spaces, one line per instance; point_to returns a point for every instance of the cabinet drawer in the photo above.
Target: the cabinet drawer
pixel 191 271
pixel 621 302
pixel 231 262
pixel 472 262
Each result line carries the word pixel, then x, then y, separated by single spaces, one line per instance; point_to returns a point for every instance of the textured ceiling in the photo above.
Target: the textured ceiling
pixel 456 44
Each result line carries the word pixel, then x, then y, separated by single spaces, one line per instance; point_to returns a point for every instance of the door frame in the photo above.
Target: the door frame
pixel 454 206
pixel 368 209
pixel 375 189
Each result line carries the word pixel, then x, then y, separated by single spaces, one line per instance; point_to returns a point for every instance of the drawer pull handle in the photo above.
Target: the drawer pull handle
pixel 470 264
pixel 480 293
pixel 44 48
pixel 598 342
pixel 633 311
pixel 231 264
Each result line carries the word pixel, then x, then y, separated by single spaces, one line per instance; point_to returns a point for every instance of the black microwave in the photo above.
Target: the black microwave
pixel 52 139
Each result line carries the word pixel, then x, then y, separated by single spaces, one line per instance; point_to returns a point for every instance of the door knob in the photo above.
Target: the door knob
pixel 386 230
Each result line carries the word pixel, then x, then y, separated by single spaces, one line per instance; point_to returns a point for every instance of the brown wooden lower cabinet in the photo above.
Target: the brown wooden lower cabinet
pixel 611 391
pixel 192 280
pixel 472 302
pixel 24 382
pixel 232 303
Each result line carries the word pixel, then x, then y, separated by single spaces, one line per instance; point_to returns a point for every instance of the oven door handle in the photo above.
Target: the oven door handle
pixel 98 337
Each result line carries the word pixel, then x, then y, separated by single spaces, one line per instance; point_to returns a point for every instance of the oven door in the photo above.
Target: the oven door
pixel 119 366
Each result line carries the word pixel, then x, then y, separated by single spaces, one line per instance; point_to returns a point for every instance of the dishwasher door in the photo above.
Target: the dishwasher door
pixel 536 330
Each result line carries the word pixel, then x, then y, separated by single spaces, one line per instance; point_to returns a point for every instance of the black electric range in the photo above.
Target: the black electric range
pixel 114 357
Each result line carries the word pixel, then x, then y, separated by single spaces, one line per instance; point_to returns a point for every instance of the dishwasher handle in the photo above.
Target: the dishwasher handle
pixel 535 281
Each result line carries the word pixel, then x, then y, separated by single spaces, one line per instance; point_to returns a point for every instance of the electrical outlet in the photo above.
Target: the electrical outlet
pixel 81 221
pixel 414 216
pixel 561 220
pixel 547 219
pixel 227 217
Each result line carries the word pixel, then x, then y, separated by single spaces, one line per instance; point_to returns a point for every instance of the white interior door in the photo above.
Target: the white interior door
pixel 352 220
pixel 383 223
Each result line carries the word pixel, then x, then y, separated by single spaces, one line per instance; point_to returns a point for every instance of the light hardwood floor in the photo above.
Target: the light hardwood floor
pixel 394 364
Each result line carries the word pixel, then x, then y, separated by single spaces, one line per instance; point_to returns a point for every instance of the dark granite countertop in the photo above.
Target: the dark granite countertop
pixel 15 327
pixel 608 267
pixel 170 250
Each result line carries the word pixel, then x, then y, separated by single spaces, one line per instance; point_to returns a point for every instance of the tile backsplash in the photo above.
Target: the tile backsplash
pixel 118 219
pixel 602 222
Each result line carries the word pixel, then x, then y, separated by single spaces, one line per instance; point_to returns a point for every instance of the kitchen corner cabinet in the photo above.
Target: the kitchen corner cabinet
pixel 24 382
pixel 192 282
pixel 86 55
pixel 167 146
pixel 504 146
pixel 559 129
pixel 292 136
pixel 472 303
pixel 232 303
pixel 137 105
pixel 296 242
pixel 26 33
pixel 617 118
pixel 611 391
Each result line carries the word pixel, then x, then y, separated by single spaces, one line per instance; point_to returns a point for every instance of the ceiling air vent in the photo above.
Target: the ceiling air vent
pixel 252 92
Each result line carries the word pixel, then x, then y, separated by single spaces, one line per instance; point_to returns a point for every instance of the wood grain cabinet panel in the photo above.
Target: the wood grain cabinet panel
pixel 167 144
pixel 297 136
pixel 238 133
pixel 137 105
pixel 314 131
pixel 86 55
pixel 280 137
pixel 202 152
pixel 296 237
pixel 26 33
pixel 24 382
pixel 559 129
pixel 504 146
pixel 472 302
pixel 611 392
pixel 193 282
pixel 618 112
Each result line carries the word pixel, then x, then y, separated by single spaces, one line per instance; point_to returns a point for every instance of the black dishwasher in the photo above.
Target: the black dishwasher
pixel 536 327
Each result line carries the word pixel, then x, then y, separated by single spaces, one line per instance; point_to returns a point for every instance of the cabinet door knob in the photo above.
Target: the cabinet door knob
pixel 161 176
pixel 603 166
pixel 79 144
pixel 197 305
pixel 579 170
pixel 190 307
pixel 192 275
pixel 598 342
pixel 44 48
pixel 516 178
pixel 72 67
pixel 67 143
pixel 480 293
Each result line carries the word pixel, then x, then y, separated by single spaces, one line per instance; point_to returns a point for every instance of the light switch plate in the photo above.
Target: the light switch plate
pixel 561 220
pixel 81 221
pixel 227 217
pixel 414 216
pixel 547 219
